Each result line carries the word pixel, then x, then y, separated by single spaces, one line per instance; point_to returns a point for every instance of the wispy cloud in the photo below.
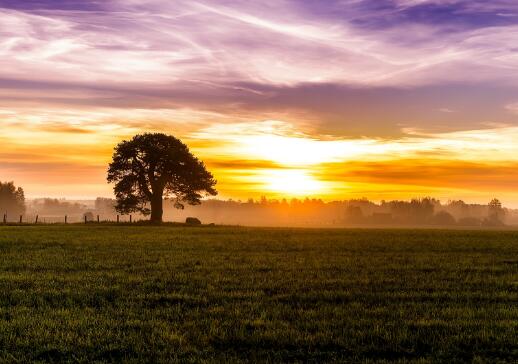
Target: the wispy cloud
pixel 157 42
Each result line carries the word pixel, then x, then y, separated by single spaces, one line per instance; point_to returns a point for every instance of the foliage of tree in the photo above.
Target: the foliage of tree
pixel 417 211
pixel 496 213
pixel 495 207
pixel 12 199
pixel 154 166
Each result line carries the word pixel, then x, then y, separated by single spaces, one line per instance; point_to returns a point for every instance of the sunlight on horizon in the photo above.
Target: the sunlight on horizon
pixel 291 182
pixel 270 157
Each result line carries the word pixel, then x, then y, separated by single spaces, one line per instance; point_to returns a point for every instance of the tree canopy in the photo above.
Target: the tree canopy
pixel 12 199
pixel 496 212
pixel 154 166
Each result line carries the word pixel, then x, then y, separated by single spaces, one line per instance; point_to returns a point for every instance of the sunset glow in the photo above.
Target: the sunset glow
pixel 292 183
pixel 338 100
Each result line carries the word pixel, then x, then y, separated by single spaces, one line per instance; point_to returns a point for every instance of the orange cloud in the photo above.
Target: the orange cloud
pixel 273 158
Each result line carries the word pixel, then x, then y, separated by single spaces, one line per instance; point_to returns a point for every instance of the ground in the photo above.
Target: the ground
pixel 87 293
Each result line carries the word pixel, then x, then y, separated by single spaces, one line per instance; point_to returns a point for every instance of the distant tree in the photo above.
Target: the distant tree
pixel 422 209
pixel 495 203
pixel 151 167
pixel 58 207
pixel 88 216
pixel 12 199
pixel 443 218
pixel 496 212
pixel 354 214
pixel 417 211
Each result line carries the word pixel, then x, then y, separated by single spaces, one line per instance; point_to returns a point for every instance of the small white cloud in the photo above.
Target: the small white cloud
pixel 512 108
pixel 446 110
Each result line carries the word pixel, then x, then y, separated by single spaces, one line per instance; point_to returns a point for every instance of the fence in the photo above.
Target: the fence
pixel 64 219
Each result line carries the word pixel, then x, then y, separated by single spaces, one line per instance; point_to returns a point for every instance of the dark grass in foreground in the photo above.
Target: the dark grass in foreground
pixel 162 294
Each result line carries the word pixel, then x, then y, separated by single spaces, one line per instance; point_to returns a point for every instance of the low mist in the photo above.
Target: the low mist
pixel 294 212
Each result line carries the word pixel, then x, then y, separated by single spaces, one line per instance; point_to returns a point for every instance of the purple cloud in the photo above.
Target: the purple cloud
pixel 38 5
pixel 329 61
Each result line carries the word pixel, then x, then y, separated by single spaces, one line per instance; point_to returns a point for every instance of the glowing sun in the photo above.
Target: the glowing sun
pixel 291 182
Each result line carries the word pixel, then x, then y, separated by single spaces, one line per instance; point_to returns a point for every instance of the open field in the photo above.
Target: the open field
pixel 158 294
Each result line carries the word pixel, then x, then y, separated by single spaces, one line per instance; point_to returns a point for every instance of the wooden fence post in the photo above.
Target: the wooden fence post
pixel 21 218
pixel 98 220
pixel 5 218
pixel 85 219
pixel 130 218
pixel 117 219
pixel 36 221
pixel 65 219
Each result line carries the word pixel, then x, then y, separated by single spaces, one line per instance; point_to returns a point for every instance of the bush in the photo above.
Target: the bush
pixel 192 221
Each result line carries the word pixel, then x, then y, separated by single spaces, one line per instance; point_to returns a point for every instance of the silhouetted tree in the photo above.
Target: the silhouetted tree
pixel 151 167
pixel 495 212
pixel 12 199
pixel 495 206
pixel 422 209
pixel 417 211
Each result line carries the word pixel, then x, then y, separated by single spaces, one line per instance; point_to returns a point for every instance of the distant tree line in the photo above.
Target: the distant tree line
pixel 58 207
pixel 315 212
pixel 295 212
pixel 301 212
pixel 156 175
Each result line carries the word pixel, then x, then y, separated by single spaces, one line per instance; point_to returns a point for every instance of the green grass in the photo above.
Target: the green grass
pixel 161 294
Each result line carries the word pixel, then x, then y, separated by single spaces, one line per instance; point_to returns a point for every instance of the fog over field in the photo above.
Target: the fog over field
pixel 426 212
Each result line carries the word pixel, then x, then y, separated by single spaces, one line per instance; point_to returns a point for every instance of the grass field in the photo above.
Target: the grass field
pixel 160 294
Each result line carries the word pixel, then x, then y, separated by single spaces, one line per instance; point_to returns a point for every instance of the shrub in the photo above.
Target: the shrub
pixel 192 221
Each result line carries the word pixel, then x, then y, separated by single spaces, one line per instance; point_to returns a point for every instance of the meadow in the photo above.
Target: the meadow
pixel 106 293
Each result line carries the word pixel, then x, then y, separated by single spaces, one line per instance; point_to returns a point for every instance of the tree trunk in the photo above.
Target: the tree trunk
pixel 156 208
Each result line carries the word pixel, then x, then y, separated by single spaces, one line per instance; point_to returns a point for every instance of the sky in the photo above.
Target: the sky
pixel 338 99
